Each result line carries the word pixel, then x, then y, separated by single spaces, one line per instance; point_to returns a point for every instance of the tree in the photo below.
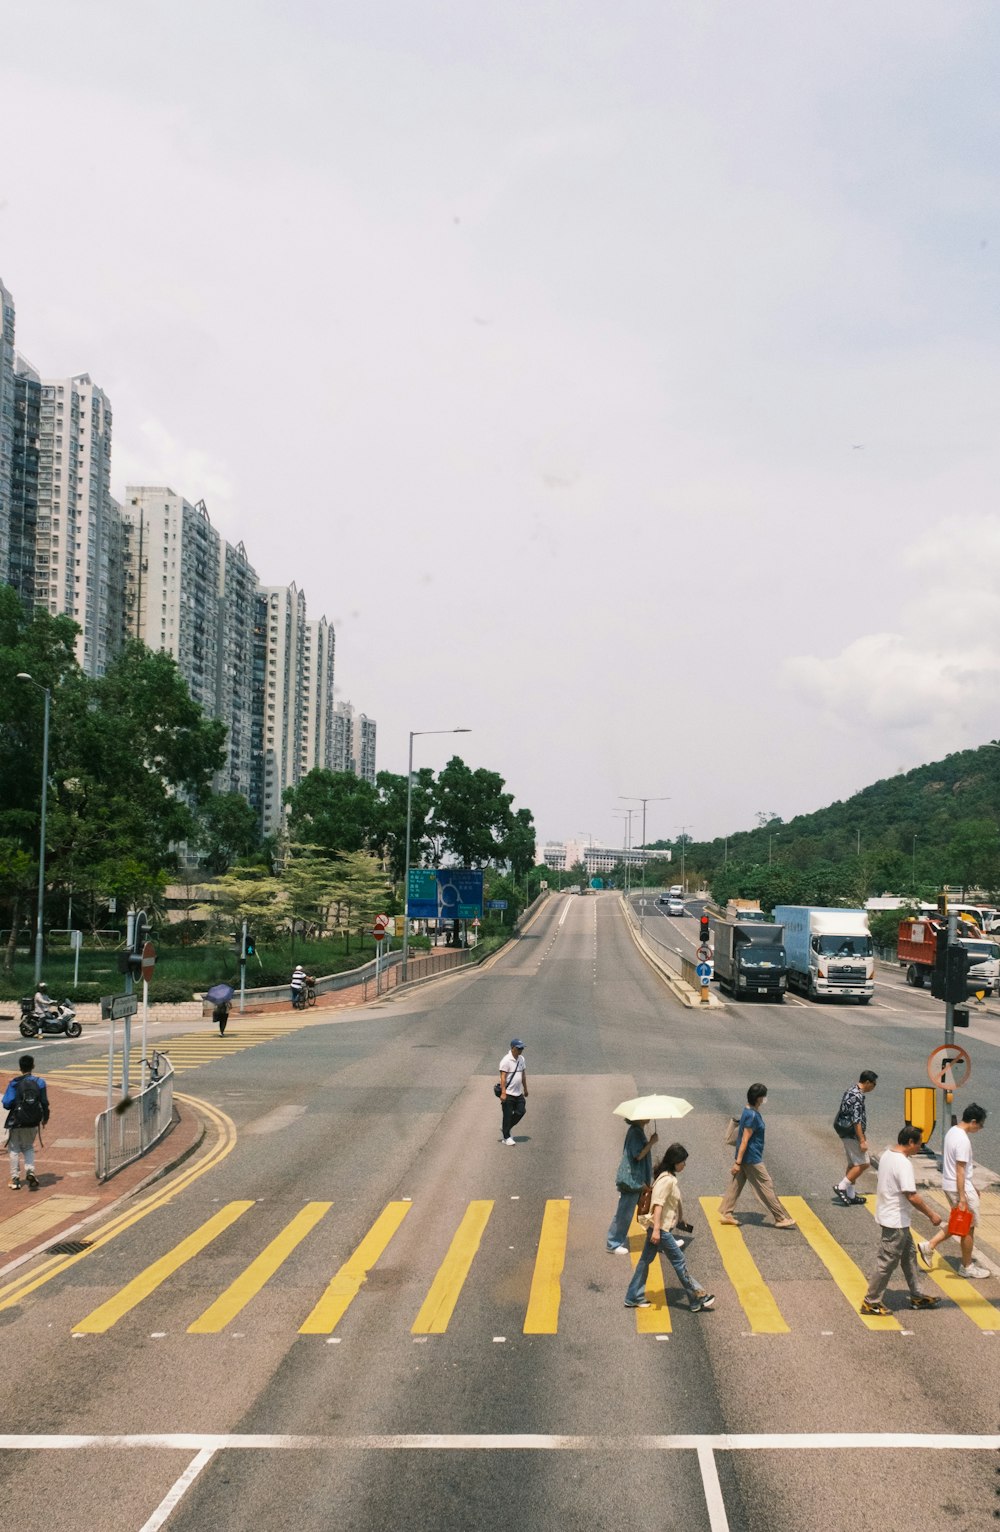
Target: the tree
pixel 390 819
pixel 227 830
pixel 334 810
pixel 472 813
pixel 519 843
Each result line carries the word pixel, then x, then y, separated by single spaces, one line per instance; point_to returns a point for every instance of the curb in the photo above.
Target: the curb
pixel 679 988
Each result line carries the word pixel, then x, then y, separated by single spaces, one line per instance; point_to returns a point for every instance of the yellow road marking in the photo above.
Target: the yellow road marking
pixel 959 1289
pixel 755 1296
pixel 438 1307
pixel 15 1292
pixel 39 1217
pixel 349 1280
pixel 654 1321
pixel 246 1286
pixel 133 1293
pixel 542 1316
pixel 849 1278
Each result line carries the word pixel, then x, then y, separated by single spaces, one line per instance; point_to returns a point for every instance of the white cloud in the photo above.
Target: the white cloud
pixel 934 682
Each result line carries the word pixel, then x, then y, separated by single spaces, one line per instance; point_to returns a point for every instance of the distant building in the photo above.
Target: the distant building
pixel 172 564
pixel 24 479
pixel 6 423
pixel 282 637
pixel 78 529
pixel 354 736
pixel 598 859
pixel 235 659
pixel 317 701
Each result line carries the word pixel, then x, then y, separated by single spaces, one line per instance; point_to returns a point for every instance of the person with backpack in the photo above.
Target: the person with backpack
pixel 27 1103
pixel 851 1127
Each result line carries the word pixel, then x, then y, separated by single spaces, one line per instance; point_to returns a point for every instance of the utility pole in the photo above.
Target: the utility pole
pixel 684 829
pixel 635 798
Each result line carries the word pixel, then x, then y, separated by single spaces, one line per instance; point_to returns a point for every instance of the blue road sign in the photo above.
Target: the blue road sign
pixel 704 972
pixel 444 893
pixel 496 904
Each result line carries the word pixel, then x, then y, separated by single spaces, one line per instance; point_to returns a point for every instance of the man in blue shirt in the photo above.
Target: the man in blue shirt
pixel 748 1164
pixel 27 1103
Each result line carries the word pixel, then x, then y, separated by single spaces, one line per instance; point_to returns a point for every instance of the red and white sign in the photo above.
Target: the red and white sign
pixel 381 927
pixel 148 961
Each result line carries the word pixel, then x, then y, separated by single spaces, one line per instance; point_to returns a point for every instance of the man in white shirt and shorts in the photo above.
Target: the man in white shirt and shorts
pixel 957 1168
pixel 896 1194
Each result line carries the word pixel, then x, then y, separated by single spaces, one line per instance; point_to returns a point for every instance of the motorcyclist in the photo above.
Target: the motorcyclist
pixel 43 1007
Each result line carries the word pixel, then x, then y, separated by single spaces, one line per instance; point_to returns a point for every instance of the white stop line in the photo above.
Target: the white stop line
pixel 205 1447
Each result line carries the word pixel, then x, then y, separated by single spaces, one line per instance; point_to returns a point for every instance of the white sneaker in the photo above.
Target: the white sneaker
pixel 975 1272
pixel 509 1140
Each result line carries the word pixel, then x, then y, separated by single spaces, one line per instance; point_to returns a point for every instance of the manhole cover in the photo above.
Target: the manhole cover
pixel 68 1247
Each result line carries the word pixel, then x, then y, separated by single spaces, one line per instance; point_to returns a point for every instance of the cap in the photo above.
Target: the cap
pixel 516 1042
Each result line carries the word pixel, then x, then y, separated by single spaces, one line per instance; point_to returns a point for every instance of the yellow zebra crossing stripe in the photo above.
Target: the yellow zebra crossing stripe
pixel 959 1289
pixel 439 1305
pixel 756 1300
pixel 542 1317
pixel 654 1320
pixel 849 1278
pixel 149 1280
pixel 246 1286
pixel 346 1285
pixel 190 1050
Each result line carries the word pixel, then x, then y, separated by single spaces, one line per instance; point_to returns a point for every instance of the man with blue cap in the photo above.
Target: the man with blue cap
pixel 513 1089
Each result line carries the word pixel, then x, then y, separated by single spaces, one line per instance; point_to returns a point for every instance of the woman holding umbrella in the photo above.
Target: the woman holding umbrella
pixel 221 996
pixel 634 1172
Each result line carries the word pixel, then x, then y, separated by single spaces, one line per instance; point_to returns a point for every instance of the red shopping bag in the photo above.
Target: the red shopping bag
pixel 960 1221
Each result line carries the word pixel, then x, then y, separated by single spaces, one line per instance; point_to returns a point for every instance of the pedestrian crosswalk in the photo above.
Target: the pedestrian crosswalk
pixel 559 1267
pixel 191 1050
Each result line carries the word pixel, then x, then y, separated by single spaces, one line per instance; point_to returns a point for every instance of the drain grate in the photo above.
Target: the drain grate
pixel 69 1247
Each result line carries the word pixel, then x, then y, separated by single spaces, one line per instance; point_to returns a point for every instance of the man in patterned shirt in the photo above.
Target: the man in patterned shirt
pixel 851 1126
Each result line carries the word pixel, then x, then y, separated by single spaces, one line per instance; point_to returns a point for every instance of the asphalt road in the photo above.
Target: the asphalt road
pixel 372 1313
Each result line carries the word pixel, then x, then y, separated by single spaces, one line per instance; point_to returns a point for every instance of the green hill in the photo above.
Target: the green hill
pixel 909 834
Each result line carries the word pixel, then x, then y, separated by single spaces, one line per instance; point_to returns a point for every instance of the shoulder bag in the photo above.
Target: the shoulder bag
pixel 496 1088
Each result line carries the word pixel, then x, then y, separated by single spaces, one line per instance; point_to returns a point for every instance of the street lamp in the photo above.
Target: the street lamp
pixel 22 675
pixel 635 798
pixel 409 811
pixel 683 829
pixel 913 866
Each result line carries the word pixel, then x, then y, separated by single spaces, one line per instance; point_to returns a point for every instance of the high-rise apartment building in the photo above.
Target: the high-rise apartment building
pixel 172 561
pixel 78 529
pixel 317 705
pixel 6 423
pixel 353 742
pixel 281 703
pixel 235 685
pixel 24 479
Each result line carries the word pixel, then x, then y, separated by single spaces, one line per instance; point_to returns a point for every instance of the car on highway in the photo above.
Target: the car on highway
pixel 675 905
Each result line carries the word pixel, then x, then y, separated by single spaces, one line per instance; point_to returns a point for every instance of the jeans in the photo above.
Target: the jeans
pixel 513 1108
pixel 21 1141
pixel 672 1250
pixel 622 1221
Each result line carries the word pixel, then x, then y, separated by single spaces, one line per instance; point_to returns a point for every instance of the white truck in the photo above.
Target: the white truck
pixel 829 951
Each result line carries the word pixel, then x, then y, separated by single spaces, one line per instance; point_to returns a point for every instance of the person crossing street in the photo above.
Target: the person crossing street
pixel 27 1101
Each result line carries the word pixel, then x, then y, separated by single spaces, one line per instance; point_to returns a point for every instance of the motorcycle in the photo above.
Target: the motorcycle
pixel 61 1022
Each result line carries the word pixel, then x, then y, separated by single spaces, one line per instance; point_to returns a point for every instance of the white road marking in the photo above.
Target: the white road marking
pixel 718 1521
pixel 176 1493
pixel 565 911
pixel 810 1441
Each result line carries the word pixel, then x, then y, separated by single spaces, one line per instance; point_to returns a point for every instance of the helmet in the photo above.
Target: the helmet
pixel 42 984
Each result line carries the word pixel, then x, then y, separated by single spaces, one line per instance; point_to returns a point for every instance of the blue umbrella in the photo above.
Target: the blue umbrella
pixel 219 994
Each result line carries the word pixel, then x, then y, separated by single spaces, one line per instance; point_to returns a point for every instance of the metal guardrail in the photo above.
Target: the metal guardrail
pixel 131 1128
pixel 422 966
pixel 648 929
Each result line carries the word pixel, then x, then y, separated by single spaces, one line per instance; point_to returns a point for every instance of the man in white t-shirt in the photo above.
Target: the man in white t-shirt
pixel 957 1167
pixel 513 1090
pixel 896 1194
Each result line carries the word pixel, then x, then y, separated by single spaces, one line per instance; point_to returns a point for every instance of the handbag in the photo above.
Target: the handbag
pixel 496 1088
pixel 960 1221
pixel 732 1131
pixel 645 1198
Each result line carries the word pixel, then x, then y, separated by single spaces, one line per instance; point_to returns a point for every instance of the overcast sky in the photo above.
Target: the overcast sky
pixel 620 379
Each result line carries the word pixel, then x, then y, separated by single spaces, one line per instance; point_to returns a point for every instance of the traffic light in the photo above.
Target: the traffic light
pixel 960 1016
pixel 251 945
pixel 939 974
pixel 703 929
pixel 957 987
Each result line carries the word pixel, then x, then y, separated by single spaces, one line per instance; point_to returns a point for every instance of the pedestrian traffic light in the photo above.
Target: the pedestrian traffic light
pixel 251 945
pixel 703 928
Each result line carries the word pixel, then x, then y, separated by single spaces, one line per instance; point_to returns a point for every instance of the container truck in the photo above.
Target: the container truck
pixel 916 945
pixel 750 958
pixel 829 951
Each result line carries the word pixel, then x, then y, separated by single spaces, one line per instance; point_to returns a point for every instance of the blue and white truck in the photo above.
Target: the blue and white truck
pixel 829 951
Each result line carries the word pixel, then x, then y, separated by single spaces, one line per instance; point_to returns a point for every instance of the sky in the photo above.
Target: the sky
pixel 620 380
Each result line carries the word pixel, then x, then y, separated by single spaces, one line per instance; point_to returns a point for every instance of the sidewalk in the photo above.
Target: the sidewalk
pixel 69 1191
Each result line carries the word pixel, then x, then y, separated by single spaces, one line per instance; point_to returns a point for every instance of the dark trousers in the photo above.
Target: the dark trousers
pixel 513 1110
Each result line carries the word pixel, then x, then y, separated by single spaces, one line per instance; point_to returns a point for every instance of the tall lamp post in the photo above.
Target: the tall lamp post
pixel 684 829
pixel 22 675
pixel 634 798
pixel 409 811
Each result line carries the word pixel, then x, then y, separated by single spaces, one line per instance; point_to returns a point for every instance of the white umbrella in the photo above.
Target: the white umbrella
pixel 642 1108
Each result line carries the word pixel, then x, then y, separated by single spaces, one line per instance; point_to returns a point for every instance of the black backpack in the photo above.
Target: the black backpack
pixel 27 1111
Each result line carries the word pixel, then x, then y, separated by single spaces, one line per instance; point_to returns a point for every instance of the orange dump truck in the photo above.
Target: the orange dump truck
pixel 916 947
